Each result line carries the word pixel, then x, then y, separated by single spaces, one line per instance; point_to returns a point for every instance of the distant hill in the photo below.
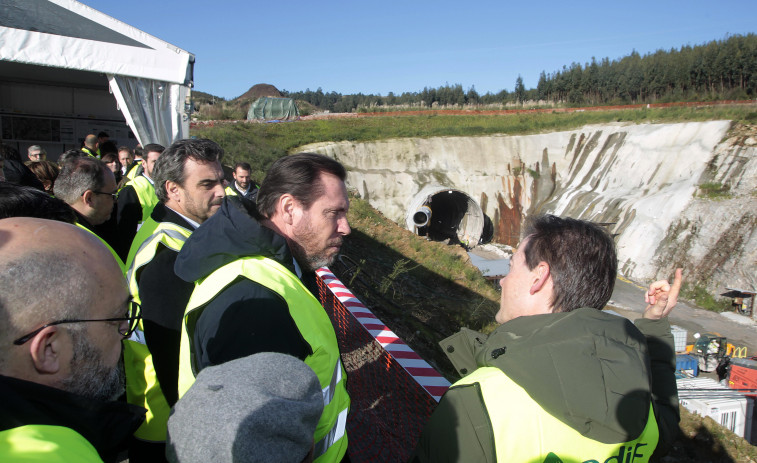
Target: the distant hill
pixel 255 92
pixel 210 107
pixel 260 90
pixel 205 98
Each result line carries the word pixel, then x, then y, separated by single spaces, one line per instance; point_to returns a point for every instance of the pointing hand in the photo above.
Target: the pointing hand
pixel 662 297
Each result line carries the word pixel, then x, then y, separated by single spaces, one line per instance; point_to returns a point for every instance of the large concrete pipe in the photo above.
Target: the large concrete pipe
pixel 442 213
pixel 422 217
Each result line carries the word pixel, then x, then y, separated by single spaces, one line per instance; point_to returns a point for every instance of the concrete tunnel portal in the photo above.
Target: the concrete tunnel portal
pixel 441 213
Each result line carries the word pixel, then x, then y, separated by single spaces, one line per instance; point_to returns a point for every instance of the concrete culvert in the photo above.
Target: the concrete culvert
pixel 442 213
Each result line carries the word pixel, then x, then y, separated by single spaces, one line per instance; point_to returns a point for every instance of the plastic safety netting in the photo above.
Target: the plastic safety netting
pixel 389 408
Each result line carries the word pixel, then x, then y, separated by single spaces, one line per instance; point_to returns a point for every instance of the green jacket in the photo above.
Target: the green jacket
pixel 594 371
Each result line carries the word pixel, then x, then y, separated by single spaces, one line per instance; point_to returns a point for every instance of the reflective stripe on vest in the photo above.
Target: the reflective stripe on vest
pixel 230 191
pixel 145 245
pixel 338 430
pixel 46 444
pixel 90 153
pixel 134 170
pixel 523 431
pixel 313 323
pixel 146 194
pixel 112 251
pixel 142 387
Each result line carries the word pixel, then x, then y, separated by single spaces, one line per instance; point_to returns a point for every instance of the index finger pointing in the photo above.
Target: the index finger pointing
pixel 676 287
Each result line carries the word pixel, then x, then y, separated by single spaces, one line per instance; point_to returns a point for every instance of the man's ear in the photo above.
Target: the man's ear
pixel 88 198
pixel 287 205
pixel 542 277
pixel 172 190
pixel 45 349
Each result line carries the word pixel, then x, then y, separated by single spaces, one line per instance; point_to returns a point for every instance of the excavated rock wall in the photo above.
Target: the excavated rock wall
pixel 643 179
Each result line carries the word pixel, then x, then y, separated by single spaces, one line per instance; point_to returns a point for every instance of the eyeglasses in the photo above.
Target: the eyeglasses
pixel 133 316
pixel 114 195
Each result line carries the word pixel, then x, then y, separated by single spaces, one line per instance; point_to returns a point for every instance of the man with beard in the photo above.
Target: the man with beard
pixel 243 185
pixel 189 184
pixel 89 188
pixel 59 360
pixel 256 283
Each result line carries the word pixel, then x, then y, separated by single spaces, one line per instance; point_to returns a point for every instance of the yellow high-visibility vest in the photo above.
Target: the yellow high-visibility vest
pixel 523 431
pixel 313 323
pixel 46 444
pixel 146 194
pixel 142 386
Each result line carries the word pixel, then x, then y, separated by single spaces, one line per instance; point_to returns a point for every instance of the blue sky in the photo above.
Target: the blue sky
pixel 398 46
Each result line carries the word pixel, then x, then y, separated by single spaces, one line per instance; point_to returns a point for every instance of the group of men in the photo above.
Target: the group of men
pixel 216 277
pixel 198 285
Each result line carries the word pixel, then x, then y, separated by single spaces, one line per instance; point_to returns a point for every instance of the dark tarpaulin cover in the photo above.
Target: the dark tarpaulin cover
pixel 266 108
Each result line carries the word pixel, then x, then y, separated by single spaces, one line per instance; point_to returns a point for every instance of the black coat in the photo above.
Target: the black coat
pixel 247 317
pixel 16 172
pixel 164 298
pixel 108 426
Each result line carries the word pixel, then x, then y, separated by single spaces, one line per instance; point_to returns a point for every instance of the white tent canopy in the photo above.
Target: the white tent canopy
pixel 149 78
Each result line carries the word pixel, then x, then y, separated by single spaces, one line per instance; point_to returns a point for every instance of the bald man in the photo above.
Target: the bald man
pixel 64 309
pixel 90 146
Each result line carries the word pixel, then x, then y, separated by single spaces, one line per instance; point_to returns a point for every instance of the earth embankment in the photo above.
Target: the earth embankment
pixel 652 183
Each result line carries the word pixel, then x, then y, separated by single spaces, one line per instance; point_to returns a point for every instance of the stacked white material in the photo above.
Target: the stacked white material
pixel 707 397
pixel 679 337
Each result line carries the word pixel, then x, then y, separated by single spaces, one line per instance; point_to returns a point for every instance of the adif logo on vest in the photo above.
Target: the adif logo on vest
pixel 626 454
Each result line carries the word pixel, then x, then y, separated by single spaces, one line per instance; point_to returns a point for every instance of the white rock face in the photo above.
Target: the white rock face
pixel 641 178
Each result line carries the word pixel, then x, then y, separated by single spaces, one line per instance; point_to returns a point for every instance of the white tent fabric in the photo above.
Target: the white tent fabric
pixel 149 77
pixel 154 109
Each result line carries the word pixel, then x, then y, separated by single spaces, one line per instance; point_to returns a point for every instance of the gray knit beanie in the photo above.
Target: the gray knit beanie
pixel 260 408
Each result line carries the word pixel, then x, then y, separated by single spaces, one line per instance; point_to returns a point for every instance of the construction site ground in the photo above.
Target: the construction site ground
pixel 741 331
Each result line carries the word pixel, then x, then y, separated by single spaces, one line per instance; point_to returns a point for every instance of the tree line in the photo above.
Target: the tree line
pixel 720 69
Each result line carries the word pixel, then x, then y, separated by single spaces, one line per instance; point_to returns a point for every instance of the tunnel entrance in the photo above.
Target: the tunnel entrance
pixel 442 213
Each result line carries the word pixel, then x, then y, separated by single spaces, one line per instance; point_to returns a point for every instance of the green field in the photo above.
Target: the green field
pixel 261 144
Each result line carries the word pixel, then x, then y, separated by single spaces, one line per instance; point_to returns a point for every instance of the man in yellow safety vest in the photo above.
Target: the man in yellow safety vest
pixel 559 380
pixel 254 277
pixel 189 185
pixel 60 376
pixel 136 200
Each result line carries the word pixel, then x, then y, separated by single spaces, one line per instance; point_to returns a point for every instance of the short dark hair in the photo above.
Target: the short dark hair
pixel 110 157
pixel 243 166
pixel 103 134
pixel 582 260
pixel 170 164
pixel 78 175
pixel 299 176
pixel 127 149
pixel 70 154
pixel 25 201
pixel 150 147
